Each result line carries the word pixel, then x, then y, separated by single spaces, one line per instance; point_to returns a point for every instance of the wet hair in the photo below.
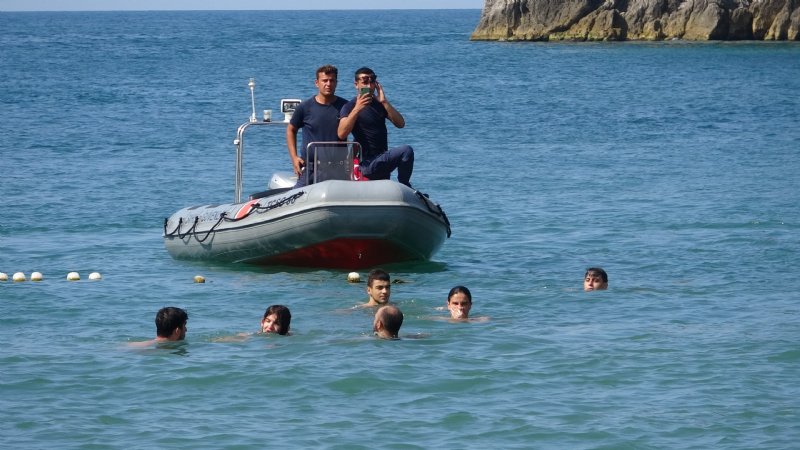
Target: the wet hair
pixel 364 71
pixel 392 319
pixel 328 69
pixel 378 274
pixel 459 290
pixel 284 317
pixel 168 319
pixel 598 271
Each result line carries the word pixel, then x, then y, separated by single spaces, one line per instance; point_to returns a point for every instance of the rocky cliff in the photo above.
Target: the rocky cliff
pixel 619 20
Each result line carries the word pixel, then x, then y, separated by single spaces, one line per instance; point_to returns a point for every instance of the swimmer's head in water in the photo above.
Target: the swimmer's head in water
pixel 595 279
pixel 387 323
pixel 171 323
pixel 379 287
pixel 277 319
pixel 459 302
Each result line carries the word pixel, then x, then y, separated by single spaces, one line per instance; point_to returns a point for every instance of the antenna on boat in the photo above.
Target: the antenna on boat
pixel 252 85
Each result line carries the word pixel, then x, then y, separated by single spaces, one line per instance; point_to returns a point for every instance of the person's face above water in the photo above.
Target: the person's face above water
pixel 594 282
pixel 270 324
pixel 459 305
pixel 380 291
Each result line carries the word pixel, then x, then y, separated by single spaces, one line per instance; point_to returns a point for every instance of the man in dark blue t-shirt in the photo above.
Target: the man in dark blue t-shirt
pixel 365 116
pixel 318 117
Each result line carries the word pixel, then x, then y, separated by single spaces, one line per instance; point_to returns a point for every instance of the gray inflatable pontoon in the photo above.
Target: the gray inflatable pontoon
pixel 333 222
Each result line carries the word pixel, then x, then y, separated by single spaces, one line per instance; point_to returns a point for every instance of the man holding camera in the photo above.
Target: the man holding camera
pixel 365 116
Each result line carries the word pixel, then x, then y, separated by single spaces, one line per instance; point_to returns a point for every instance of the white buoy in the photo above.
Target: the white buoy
pixel 199 279
pixel 353 277
pixel 3 276
pixel 36 276
pixel 19 276
pixel 73 276
pixel 94 276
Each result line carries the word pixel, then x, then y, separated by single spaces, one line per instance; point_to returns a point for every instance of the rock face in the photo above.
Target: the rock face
pixel 652 20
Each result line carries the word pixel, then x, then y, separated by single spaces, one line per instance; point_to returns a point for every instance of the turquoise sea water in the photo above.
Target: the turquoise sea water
pixel 672 165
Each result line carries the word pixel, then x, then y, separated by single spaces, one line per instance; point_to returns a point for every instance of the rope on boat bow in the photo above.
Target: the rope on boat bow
pixel 224 217
pixel 438 211
pixel 177 230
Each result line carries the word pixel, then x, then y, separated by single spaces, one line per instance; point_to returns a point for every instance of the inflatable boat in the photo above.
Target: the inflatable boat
pixel 338 220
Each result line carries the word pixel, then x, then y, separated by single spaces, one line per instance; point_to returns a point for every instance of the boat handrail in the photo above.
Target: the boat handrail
pixel 239 143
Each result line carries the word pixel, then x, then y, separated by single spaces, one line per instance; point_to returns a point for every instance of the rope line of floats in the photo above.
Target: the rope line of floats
pixel 256 208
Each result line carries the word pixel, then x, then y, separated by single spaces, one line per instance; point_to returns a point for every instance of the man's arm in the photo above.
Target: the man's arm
pixel 347 122
pixel 291 143
pixel 346 125
pixel 394 115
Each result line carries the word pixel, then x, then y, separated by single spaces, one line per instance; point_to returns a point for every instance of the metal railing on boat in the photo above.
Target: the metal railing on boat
pixel 331 160
pixel 239 143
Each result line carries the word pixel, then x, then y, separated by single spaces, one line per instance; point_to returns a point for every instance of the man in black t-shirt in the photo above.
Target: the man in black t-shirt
pixel 365 116
pixel 318 117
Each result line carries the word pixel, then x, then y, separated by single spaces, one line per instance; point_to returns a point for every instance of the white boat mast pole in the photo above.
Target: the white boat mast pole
pixel 287 106
pixel 252 85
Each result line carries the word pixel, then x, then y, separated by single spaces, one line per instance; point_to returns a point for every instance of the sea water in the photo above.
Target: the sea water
pixel 672 165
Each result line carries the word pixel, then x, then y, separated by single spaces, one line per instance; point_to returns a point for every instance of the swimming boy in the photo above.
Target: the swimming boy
pixel 170 326
pixel 379 288
pixel 595 279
